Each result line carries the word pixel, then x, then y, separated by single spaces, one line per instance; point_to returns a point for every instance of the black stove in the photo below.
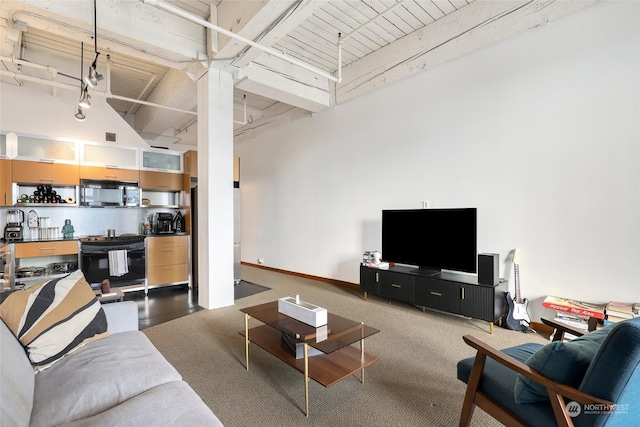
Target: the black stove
pixel 120 238
pixel 94 251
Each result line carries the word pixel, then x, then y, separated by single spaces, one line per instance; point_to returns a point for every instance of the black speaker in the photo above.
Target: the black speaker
pixel 488 269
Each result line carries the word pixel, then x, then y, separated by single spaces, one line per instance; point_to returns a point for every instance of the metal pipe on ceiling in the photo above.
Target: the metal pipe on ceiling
pixel 60 85
pixel 179 12
pixel 48 68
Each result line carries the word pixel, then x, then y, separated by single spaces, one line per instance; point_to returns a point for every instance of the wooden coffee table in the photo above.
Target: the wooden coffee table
pixel 337 360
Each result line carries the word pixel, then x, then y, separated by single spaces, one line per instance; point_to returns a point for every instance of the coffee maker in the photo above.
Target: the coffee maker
pixel 13 230
pixel 162 223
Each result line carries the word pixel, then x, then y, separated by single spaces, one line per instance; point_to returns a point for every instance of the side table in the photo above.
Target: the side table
pixel 113 296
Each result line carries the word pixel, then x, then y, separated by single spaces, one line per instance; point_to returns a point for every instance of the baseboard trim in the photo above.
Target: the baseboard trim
pixel 306 276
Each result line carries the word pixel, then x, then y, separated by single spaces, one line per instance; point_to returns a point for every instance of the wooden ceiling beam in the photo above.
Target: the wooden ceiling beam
pixel 473 27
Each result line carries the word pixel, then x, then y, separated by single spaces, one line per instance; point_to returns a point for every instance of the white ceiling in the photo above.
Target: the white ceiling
pixel 382 41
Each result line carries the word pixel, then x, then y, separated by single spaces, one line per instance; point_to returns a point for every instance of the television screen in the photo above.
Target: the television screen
pixel 432 239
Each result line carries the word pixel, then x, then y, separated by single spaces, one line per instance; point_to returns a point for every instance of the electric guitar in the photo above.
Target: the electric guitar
pixel 518 316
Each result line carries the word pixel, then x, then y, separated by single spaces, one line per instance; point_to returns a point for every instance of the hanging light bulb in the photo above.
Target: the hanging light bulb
pixel 84 98
pixel 80 114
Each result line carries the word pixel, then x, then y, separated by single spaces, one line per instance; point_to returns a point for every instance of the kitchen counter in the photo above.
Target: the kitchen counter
pixel 27 240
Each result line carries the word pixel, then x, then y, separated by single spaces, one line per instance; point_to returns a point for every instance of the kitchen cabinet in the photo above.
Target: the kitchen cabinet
pixel 161 161
pixel 167 260
pixel 6 197
pixel 160 181
pixel 40 255
pixel 3 146
pixel 109 156
pixel 107 163
pixel 45 172
pixel 109 173
pixel 190 159
pixel 47 150
pixel 46 248
pixel 191 165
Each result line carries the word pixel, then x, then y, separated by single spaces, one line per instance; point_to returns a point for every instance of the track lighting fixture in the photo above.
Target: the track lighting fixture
pixel 93 78
pixel 80 114
pixel 85 97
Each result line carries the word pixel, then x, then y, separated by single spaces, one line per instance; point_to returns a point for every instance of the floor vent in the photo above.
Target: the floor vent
pixel 110 137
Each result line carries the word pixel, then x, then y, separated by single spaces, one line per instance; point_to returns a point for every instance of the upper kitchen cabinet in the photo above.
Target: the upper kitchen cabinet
pixel 6 198
pixel 161 161
pixel 47 150
pixel 107 163
pixel 191 163
pixel 56 174
pixel 45 161
pixel 160 181
pixel 236 169
pixel 3 146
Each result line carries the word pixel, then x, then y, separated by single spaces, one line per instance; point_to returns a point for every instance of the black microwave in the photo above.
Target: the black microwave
pixel 109 193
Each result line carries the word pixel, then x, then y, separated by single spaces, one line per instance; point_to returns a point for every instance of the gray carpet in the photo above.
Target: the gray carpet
pixel 413 384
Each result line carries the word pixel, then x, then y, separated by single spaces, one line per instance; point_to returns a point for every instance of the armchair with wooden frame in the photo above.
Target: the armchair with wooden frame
pixel 607 395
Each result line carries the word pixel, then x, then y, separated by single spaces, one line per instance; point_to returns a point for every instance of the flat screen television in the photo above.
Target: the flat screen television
pixel 432 239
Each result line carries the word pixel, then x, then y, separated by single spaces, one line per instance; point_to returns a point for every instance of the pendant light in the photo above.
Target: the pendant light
pixel 84 95
pixel 93 78
pixel 80 114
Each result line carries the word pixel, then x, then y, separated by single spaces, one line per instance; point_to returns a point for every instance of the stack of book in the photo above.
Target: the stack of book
pixel 574 320
pixel 575 307
pixel 574 313
pixel 619 311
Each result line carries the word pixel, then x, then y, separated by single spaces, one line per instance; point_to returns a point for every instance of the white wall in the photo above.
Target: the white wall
pixel 539 132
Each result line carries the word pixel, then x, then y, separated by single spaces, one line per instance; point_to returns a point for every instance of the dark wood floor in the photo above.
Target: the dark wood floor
pixel 164 304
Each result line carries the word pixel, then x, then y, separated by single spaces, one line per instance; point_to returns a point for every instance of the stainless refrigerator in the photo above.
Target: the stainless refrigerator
pixel 236 234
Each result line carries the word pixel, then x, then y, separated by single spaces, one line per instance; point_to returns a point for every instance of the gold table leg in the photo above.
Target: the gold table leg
pixel 306 379
pixel 246 340
pixel 491 327
pixel 362 352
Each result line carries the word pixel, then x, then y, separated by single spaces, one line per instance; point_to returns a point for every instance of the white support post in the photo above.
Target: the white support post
pixel 215 189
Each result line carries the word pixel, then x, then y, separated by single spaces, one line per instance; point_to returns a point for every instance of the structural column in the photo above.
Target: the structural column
pixel 215 189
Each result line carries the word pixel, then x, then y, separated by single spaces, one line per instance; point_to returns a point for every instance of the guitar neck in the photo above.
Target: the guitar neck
pixel 516 269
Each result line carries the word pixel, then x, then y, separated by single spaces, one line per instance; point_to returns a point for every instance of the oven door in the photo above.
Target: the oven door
pixel 95 267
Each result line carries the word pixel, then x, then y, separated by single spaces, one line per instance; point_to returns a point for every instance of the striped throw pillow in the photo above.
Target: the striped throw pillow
pixel 54 318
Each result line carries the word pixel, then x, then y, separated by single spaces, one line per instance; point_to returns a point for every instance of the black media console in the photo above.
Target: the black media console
pixel 448 292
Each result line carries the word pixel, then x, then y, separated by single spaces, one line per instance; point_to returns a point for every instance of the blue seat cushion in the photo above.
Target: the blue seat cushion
pixel 565 362
pixel 498 383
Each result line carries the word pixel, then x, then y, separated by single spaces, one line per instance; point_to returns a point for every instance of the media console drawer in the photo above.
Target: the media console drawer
pixel 438 294
pixel 396 286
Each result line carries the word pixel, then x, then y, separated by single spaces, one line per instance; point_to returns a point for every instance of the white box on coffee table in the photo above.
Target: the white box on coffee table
pixel 303 311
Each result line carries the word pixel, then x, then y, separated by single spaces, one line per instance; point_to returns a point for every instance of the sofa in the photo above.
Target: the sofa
pixel 118 379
